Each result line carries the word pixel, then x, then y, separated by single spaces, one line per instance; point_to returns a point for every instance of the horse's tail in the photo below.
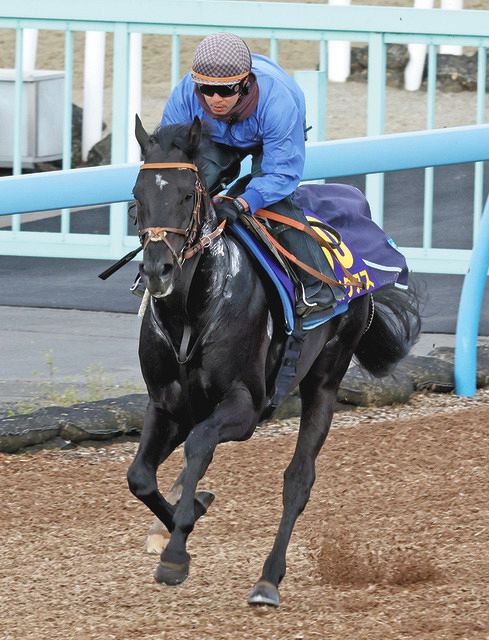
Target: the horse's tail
pixel 394 328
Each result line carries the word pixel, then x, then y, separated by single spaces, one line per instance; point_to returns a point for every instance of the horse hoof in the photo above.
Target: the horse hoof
pixel 264 592
pixel 205 499
pixel 171 573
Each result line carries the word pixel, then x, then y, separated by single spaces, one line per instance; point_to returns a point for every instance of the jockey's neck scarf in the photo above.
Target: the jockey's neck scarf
pixel 243 109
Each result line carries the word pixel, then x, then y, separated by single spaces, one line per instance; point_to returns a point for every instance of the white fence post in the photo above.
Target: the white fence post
pixel 135 87
pixel 413 73
pixel 93 90
pixel 452 49
pixel 29 50
pixel 339 54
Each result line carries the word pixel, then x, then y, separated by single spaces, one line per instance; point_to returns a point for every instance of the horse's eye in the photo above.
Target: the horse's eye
pixel 189 196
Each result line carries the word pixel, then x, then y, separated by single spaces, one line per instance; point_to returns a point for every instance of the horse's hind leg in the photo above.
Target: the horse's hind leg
pixel 318 395
pixel 158 534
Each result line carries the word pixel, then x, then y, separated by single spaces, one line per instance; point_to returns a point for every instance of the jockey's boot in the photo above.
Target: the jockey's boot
pixel 313 295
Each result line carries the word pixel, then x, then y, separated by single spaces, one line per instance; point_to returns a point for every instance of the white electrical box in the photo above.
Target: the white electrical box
pixel 42 117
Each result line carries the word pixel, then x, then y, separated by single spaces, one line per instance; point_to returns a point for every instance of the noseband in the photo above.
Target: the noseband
pixel 159 234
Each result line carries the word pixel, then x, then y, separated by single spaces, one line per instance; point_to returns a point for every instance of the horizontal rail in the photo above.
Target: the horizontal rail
pixel 216 14
pixel 335 158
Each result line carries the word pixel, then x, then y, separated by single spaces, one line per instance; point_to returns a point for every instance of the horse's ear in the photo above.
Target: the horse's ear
pixel 194 135
pixel 141 135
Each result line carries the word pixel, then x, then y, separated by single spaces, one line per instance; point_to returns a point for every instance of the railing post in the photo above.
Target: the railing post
pixel 120 100
pixel 313 84
pixel 469 311
pixel 413 73
pixel 175 61
pixel 29 50
pixel 339 54
pixel 135 87
pixel 452 49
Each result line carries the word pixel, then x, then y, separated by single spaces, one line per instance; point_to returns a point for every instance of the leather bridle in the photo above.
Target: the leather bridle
pixel 191 245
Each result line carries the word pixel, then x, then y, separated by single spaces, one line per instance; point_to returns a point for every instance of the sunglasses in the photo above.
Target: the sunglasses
pixel 225 91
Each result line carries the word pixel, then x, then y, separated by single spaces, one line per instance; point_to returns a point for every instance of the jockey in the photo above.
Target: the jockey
pixel 252 105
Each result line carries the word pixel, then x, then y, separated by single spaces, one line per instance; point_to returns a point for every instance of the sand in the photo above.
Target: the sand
pixel 393 543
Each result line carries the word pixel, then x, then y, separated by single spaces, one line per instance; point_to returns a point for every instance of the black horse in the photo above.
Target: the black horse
pixel 210 346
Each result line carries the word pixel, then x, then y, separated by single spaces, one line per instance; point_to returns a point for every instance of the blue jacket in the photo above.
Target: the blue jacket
pixel 278 124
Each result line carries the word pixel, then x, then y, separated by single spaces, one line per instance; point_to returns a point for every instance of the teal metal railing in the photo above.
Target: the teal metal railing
pixel 375 27
pixel 100 185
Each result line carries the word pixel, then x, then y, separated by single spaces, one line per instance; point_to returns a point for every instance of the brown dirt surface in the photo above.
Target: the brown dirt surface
pixel 393 544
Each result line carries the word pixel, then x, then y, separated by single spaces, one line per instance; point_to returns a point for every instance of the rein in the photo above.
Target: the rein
pixel 329 246
pixel 159 234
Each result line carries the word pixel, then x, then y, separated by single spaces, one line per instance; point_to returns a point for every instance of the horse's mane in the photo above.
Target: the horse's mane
pixel 177 135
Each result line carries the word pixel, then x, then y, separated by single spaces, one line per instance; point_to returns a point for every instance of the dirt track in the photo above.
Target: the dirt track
pixel 393 544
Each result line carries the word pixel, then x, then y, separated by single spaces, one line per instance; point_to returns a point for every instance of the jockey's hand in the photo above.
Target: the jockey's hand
pixel 228 209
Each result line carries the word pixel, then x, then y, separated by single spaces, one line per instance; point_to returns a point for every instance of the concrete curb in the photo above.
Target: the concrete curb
pixel 115 418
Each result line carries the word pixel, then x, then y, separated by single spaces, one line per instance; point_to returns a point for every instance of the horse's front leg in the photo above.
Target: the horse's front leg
pixel 233 419
pixel 159 438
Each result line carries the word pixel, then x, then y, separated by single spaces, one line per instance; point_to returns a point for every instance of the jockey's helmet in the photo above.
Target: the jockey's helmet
pixel 221 59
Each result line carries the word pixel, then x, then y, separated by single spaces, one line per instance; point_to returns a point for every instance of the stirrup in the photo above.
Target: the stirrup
pixel 302 306
pixel 303 298
pixel 305 306
pixel 138 288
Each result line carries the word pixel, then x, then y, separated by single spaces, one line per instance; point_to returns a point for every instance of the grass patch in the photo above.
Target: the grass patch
pixel 53 391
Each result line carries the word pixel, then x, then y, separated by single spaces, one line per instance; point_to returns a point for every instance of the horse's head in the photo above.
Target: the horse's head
pixel 172 204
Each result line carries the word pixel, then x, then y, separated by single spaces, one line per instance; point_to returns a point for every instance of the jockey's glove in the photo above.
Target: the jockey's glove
pixel 228 209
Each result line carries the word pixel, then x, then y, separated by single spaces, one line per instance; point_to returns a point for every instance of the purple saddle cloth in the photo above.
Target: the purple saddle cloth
pixel 365 251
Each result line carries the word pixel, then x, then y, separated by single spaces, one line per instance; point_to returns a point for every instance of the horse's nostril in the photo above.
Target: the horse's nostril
pixel 155 271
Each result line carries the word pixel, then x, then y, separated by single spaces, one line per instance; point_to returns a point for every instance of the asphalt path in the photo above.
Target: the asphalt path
pixel 73 283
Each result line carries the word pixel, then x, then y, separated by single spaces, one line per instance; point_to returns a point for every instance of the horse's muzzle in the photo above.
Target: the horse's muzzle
pixel 157 277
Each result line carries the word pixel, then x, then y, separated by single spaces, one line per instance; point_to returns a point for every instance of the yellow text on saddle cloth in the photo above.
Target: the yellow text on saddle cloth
pixel 346 258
